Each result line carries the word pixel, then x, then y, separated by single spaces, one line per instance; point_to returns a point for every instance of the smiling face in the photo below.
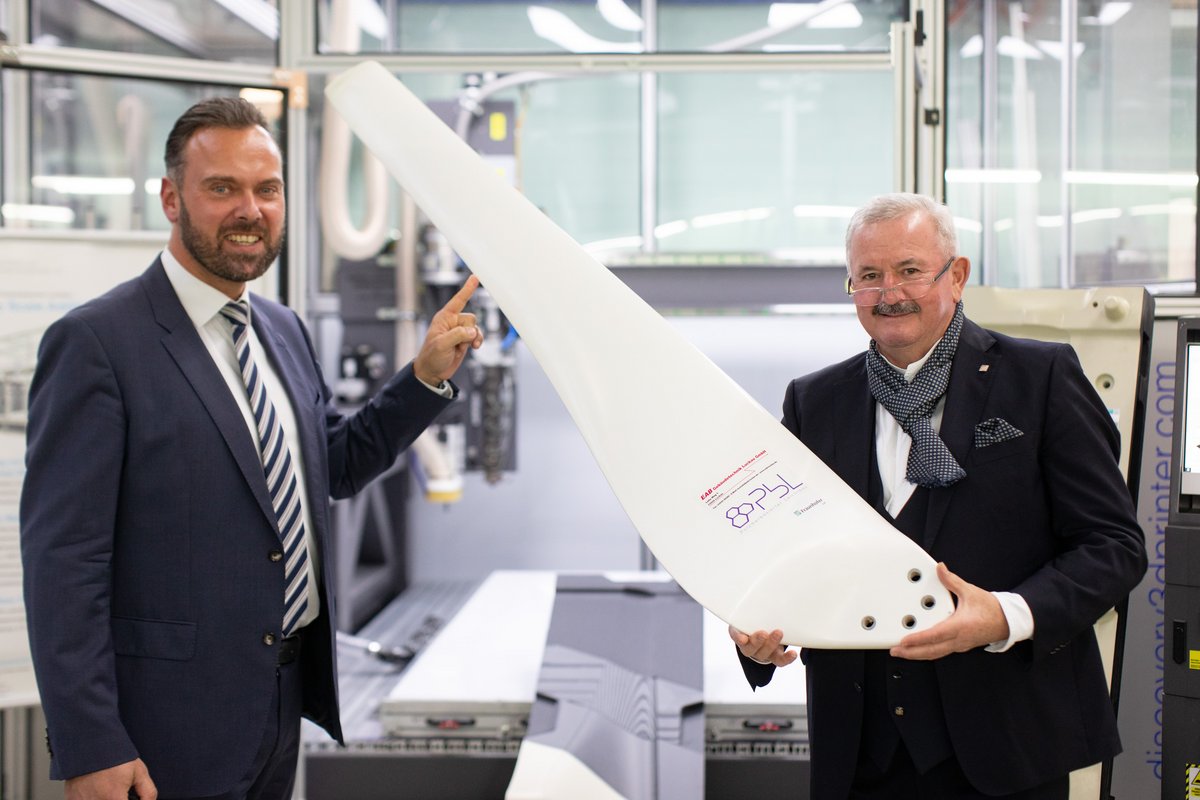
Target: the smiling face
pixel 226 206
pixel 903 249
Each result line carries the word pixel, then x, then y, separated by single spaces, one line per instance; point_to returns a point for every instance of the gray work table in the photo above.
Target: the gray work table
pixel 381 764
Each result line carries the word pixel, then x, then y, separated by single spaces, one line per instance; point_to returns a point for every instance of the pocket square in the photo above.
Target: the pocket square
pixel 994 431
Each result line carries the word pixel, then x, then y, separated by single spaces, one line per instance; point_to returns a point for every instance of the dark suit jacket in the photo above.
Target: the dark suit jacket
pixel 147 529
pixel 1046 515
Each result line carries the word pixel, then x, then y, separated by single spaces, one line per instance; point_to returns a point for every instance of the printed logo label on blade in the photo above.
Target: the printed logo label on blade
pixel 753 489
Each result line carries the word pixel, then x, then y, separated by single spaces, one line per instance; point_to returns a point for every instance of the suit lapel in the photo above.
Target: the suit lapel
pixel 183 344
pixel 970 382
pixel 853 431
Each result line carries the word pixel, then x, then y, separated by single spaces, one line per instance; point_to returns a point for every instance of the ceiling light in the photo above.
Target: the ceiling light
pixel 804 48
pixel 834 212
pixel 1182 206
pixel 811 255
pixel 781 15
pixel 83 184
pixel 37 213
pixel 670 228
pixel 619 15
pixel 1017 48
pixel 268 101
pixel 258 14
pixel 1184 180
pixel 731 217
pixel 1054 48
pixel 618 243
pixel 993 176
pixel 1091 215
pixel 371 19
pixel 846 16
pixel 557 27
pixel 795 18
pixel 1095 215
pixel 1112 11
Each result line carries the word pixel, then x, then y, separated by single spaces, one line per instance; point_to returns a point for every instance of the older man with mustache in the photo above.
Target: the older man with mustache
pixel 995 455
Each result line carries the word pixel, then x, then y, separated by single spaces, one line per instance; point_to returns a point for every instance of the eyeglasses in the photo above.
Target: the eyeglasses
pixel 907 290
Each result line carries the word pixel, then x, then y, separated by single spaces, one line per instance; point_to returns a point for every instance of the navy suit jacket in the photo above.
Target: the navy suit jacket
pixel 1046 515
pixel 147 535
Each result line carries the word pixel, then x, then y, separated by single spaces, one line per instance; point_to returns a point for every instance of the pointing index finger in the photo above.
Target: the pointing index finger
pixel 459 301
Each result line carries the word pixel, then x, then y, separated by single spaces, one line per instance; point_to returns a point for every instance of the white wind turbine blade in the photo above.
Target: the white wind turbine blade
pixel 748 521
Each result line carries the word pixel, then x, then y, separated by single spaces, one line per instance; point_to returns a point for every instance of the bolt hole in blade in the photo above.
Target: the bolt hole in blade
pixel 743 516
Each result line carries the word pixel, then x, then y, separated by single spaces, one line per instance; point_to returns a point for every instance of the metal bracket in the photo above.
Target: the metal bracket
pixel 296 83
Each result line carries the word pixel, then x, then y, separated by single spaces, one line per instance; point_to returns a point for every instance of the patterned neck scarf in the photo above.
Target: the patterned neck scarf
pixel 930 463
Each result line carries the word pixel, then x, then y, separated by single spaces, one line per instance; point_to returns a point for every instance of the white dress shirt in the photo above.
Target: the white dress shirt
pixel 203 305
pixel 892 446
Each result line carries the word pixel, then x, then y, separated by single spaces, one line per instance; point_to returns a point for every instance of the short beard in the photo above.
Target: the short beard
pixel 209 255
pixel 895 309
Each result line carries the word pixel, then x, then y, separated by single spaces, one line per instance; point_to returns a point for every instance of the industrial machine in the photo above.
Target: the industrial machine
pixel 385 297
pixel 1109 327
pixel 1179 627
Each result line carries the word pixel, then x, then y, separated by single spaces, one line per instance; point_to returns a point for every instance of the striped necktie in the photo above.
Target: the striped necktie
pixel 277 465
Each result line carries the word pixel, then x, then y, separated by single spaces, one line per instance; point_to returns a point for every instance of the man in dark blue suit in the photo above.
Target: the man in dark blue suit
pixel 995 455
pixel 182 450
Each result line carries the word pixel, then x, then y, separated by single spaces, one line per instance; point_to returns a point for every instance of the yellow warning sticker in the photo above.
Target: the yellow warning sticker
pixel 1193 781
pixel 497 126
pixel 1193 659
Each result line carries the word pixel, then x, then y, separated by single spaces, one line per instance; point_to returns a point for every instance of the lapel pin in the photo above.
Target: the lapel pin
pixel 984 367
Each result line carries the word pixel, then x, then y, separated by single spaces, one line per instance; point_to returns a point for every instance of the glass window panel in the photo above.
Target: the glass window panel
pixel 763 25
pixel 579 150
pixel 1132 185
pixel 763 165
pixel 1003 150
pixel 576 143
pixel 95 151
pixel 577 146
pixel 770 163
pixel 967 129
pixel 554 26
pixel 245 32
pixel 609 26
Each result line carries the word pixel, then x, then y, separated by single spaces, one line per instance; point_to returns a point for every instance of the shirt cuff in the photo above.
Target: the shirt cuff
pixel 1020 621
pixel 444 388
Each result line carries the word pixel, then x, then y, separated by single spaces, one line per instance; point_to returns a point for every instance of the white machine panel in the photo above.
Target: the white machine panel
pixel 478 676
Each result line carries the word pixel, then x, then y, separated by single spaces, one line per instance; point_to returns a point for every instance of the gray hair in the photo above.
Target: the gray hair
pixel 887 207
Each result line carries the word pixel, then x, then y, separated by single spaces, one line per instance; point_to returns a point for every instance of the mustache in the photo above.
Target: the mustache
pixel 893 309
